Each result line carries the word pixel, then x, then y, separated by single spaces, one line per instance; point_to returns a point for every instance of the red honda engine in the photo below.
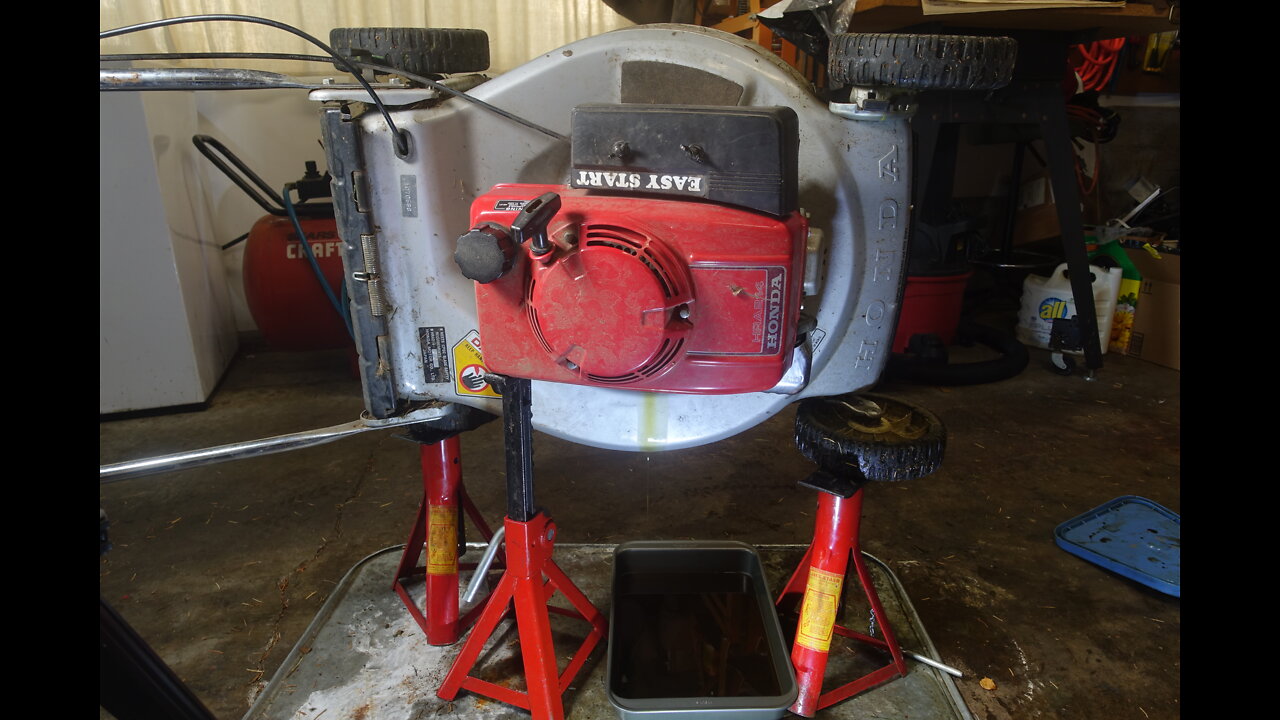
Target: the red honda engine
pixel 582 285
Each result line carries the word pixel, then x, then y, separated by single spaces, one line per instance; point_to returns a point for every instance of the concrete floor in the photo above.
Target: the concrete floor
pixel 222 568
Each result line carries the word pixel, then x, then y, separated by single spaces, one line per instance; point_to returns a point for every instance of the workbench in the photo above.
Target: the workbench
pixel 1135 18
pixel 1033 101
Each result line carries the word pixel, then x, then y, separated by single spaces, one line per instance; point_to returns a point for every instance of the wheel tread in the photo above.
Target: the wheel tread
pixel 839 451
pixel 922 62
pixel 423 51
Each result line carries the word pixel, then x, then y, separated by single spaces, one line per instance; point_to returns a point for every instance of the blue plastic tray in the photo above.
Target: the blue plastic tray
pixel 1131 536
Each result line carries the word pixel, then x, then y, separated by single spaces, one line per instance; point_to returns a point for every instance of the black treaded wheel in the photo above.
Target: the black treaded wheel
pixel 1062 363
pixel 876 436
pixel 922 62
pixel 422 51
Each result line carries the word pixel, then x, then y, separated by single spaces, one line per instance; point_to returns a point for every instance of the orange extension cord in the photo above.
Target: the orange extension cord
pixel 1095 126
pixel 1099 62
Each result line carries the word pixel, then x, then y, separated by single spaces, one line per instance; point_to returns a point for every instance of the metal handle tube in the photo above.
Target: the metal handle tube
pixel 207 145
pixel 264 446
pixel 933 663
pixel 222 453
pixel 110 80
pixel 482 569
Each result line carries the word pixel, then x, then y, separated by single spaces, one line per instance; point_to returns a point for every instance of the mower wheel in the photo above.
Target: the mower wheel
pixel 922 62
pixel 876 436
pixel 422 51
pixel 1062 363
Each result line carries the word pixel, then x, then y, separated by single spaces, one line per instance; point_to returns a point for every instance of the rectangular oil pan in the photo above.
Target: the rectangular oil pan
pixel 693 634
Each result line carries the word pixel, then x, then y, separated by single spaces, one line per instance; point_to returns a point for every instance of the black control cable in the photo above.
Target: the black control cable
pixel 400 137
pixel 445 88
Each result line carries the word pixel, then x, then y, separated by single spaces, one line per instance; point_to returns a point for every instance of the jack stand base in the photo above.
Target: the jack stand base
pixel 529 549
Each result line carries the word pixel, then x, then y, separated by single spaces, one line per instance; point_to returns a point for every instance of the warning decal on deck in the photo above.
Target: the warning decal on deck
pixel 818 614
pixel 442 540
pixel 469 369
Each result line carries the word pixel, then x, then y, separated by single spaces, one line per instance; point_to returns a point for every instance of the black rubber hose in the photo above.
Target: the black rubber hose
pixel 1013 359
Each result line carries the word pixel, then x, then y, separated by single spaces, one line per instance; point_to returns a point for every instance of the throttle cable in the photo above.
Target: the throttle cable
pixel 400 138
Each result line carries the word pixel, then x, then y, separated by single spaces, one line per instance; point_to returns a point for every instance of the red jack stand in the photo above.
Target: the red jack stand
pixel 820 576
pixel 529 539
pixel 529 548
pixel 853 439
pixel 436 528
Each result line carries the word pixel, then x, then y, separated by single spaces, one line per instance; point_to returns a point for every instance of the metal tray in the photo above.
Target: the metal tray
pixel 1131 536
pixel 675 601
pixel 364 656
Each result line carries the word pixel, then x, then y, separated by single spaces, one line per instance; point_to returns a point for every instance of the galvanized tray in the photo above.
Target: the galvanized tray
pixel 671 571
pixel 363 656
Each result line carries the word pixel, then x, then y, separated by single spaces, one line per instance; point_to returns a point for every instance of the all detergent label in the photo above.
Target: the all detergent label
pixel 1054 308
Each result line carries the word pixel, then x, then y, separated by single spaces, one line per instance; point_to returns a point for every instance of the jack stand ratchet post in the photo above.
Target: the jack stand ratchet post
pixel 529 537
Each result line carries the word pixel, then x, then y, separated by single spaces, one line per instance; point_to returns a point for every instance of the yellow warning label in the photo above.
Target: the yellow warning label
pixel 442 540
pixel 469 369
pixel 818 613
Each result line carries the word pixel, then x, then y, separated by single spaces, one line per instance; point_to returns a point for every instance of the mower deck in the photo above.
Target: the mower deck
pixel 363 656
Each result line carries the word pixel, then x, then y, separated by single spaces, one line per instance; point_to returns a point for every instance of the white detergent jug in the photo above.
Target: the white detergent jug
pixel 1046 298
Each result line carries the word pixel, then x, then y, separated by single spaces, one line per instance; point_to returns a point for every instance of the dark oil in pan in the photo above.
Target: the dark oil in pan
pixel 689 634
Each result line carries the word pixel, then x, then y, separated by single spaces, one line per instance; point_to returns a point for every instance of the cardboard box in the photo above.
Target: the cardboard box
pixel 1037 217
pixel 1157 324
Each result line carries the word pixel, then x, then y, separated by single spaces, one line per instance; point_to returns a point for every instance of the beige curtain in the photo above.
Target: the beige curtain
pixel 518 29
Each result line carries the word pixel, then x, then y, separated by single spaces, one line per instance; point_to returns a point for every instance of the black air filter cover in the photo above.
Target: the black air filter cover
pixel 743 156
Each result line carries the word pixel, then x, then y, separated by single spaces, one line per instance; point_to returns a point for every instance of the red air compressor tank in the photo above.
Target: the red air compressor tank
pixel 282 290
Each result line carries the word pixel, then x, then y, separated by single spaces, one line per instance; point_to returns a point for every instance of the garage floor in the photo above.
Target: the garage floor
pixel 222 568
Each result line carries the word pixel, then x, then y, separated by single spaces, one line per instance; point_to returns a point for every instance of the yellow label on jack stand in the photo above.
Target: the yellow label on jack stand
pixel 818 613
pixel 442 540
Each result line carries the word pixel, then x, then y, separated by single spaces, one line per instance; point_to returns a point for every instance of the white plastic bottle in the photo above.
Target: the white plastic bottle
pixel 1047 298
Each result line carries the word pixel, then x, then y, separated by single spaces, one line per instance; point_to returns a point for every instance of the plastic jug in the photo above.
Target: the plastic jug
pixel 1046 298
pixel 1127 301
